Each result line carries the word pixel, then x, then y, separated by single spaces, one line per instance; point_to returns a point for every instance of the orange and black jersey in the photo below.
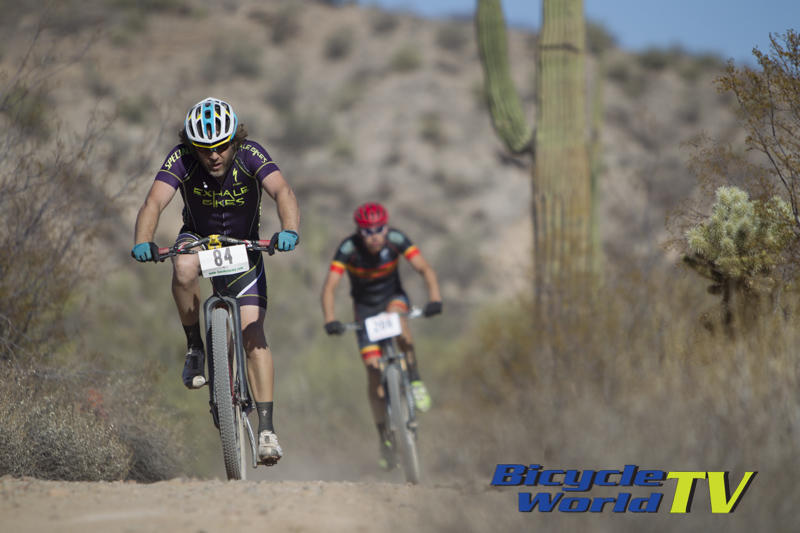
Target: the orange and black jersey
pixel 374 278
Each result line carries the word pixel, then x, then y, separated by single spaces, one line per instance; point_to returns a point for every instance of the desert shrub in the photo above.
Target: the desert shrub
pixel 659 59
pixel 431 129
pixel 231 60
pixel 286 24
pixel 28 109
pixel 695 66
pixel 743 244
pixel 406 59
pixel 353 90
pixel 97 84
pixel 343 149
pixel 53 206
pixel 339 44
pixel 384 22
pixel 135 110
pixel 452 37
pixel 283 92
pixel 154 6
pixel 55 425
pixel 598 38
pixel 305 129
pixel 46 435
pixel 47 194
pixel 632 80
pixel 150 432
pixel 620 368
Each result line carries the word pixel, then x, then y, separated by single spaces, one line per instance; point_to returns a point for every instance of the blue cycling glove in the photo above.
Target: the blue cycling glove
pixel 287 239
pixel 145 251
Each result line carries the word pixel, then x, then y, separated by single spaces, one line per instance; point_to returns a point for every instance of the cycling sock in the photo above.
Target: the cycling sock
pixel 264 416
pixel 413 373
pixel 194 338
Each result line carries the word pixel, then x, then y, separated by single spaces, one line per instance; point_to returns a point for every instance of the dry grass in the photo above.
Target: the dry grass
pixel 55 425
pixel 628 377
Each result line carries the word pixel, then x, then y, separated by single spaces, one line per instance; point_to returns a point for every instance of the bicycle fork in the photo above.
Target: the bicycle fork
pixel 393 357
pixel 241 390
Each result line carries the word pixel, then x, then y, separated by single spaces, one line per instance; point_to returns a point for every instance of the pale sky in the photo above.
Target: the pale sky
pixel 730 28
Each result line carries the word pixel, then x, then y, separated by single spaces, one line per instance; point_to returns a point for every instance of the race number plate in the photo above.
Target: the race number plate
pixel 222 261
pixel 383 326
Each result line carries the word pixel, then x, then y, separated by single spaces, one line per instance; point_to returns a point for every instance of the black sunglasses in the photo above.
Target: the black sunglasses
pixel 366 232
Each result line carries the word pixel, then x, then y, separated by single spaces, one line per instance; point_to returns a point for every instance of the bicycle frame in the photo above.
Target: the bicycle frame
pixel 401 416
pixel 241 388
pixel 238 388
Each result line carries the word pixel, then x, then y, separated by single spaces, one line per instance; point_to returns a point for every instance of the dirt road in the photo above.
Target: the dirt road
pixel 191 505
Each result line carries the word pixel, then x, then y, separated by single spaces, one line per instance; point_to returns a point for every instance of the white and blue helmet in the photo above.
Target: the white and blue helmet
pixel 210 123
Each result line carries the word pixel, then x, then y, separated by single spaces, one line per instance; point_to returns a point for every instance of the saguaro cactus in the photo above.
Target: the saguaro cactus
pixel 561 179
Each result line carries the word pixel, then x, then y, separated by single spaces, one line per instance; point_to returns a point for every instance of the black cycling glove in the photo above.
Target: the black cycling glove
pixel 432 308
pixel 334 328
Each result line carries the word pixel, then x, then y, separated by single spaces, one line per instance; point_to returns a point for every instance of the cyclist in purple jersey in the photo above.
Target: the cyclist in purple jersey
pixel 222 176
pixel 370 257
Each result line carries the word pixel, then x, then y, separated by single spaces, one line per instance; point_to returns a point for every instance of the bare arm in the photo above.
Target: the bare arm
pixel 280 191
pixel 147 220
pixel 429 275
pixel 328 295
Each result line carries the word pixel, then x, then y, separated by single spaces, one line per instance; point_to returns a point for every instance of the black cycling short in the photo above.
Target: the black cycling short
pixel 368 348
pixel 249 288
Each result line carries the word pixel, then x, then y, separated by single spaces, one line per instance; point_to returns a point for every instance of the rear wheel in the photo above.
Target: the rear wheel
pixel 229 415
pixel 399 416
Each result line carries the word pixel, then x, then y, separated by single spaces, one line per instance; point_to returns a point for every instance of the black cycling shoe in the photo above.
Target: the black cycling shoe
pixel 193 369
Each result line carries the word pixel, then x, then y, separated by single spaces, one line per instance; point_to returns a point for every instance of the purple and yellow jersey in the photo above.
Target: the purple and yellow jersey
pixel 374 278
pixel 232 208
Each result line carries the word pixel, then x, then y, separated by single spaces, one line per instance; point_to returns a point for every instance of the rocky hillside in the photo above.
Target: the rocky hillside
pixel 359 104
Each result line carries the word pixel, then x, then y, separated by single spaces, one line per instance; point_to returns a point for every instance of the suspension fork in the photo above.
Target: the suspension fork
pixel 235 321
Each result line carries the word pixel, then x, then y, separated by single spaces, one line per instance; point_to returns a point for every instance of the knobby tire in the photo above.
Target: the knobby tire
pixel 404 437
pixel 230 422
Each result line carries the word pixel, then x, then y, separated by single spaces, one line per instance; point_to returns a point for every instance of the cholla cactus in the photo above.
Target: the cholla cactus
pixel 742 239
pixel 737 248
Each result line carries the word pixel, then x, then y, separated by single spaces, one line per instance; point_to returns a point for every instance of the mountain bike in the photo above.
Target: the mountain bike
pixel 229 391
pixel 383 329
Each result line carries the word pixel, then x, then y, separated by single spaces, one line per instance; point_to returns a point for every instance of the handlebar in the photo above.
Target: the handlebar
pixel 414 312
pixel 217 241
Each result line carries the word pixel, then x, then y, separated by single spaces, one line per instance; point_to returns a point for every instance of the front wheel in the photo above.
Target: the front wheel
pixel 399 418
pixel 228 413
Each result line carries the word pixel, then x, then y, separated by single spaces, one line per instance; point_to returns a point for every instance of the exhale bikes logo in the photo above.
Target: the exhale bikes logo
pixel 574 482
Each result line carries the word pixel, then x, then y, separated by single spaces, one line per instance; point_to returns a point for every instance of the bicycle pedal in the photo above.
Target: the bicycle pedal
pixel 268 461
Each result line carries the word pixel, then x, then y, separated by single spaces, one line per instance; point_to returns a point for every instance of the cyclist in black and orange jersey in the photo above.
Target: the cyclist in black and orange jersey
pixel 222 176
pixel 370 257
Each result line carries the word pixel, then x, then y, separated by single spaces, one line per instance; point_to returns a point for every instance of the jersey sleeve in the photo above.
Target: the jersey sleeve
pixel 257 160
pixel 342 256
pixel 403 243
pixel 173 171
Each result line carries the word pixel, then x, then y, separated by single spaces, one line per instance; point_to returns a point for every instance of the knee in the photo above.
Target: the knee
pixel 406 343
pixel 185 271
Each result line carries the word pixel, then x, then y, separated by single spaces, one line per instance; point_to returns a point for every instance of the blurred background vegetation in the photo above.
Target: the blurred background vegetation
pixel 654 366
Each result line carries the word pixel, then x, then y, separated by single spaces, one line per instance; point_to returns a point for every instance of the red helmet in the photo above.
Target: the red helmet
pixel 370 215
